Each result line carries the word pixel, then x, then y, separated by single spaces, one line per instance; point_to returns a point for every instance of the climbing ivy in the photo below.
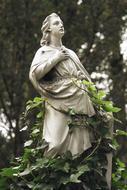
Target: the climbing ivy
pixel 86 172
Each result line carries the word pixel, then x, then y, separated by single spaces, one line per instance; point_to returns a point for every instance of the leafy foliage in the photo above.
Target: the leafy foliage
pixel 35 171
pixel 119 176
pixel 98 98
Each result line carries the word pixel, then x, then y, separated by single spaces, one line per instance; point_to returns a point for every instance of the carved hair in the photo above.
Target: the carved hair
pixel 45 29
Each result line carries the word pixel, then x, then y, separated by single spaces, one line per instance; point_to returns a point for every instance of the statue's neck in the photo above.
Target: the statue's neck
pixel 56 42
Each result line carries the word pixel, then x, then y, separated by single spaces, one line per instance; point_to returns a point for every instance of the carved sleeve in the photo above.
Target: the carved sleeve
pixel 43 63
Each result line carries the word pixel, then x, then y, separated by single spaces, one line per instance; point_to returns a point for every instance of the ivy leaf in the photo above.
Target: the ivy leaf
pixel 28 143
pixel 74 178
pixel 120 132
pixel 29 102
pixel 92 88
pixel 83 168
pixel 39 115
pixel 31 185
pixel 87 82
pixel 101 94
pixel 24 128
pixel 35 131
pixel 121 164
pixel 97 100
pixel 37 99
pixel 109 107
pixel 27 154
pixel 8 172
pixel 114 145
pixel 25 172
pixel 116 109
pixel 71 111
pixel 42 162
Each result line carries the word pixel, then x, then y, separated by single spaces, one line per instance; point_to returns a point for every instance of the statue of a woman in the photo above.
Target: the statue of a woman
pixel 52 72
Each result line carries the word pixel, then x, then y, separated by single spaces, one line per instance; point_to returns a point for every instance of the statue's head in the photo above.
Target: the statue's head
pixel 52 25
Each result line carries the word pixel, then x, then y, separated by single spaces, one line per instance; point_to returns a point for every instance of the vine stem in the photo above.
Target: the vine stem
pixel 99 141
pixel 82 88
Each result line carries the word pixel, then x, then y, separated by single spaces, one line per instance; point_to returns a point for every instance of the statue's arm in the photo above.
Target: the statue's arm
pixel 43 62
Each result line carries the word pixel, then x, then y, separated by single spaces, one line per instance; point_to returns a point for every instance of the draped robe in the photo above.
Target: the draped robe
pixel 57 85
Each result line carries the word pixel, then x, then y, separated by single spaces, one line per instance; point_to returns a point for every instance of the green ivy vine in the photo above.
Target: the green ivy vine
pixel 87 172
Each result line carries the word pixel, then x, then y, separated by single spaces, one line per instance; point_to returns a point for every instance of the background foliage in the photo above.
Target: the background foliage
pixel 93 29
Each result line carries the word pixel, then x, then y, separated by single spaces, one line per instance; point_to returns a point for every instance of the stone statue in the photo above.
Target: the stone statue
pixel 52 72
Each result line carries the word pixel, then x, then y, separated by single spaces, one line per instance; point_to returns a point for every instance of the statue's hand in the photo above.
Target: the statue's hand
pixel 61 55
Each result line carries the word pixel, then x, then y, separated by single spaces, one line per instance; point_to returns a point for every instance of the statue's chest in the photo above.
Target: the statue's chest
pixel 67 67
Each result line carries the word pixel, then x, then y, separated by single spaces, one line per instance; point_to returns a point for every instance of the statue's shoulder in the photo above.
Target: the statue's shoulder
pixel 71 51
pixel 41 52
pixel 42 49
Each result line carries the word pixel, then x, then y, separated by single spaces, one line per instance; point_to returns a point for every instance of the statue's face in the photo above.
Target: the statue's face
pixel 56 26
